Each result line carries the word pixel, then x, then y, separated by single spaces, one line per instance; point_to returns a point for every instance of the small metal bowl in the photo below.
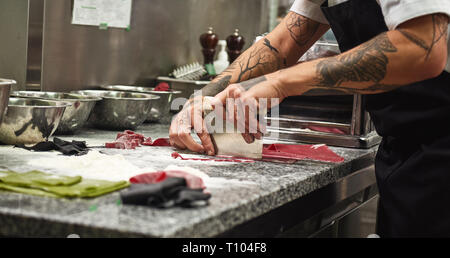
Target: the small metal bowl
pixel 5 88
pixel 119 110
pixel 161 109
pixel 75 115
pixel 30 120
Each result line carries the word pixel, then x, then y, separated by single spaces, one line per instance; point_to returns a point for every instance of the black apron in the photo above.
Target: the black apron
pixel 413 160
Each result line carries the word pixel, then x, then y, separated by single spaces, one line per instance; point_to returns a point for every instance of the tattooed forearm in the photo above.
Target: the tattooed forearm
pixel 375 88
pixel 252 82
pixel 301 28
pixel 366 64
pixel 384 63
pixel 216 86
pixel 258 60
pixel 261 60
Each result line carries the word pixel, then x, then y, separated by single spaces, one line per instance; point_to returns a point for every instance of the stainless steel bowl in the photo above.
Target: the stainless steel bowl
pixel 187 87
pixel 119 110
pixel 30 120
pixel 161 109
pixel 75 115
pixel 5 88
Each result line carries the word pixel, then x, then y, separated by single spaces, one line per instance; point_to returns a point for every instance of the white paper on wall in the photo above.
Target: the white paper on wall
pixel 103 13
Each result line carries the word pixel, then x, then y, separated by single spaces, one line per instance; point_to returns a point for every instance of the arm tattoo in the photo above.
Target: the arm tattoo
pixel 217 86
pixel 261 60
pixel 252 82
pixel 375 88
pixel 366 64
pixel 301 28
pixel 267 43
pixel 416 40
pixel 440 24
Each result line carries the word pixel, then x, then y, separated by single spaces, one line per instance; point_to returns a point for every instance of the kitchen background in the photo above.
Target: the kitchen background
pixel 41 49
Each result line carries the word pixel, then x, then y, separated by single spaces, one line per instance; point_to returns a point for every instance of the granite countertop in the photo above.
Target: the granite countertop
pixel 243 192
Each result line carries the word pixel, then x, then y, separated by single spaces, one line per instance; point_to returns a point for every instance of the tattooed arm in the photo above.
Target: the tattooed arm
pixel 279 49
pixel 415 51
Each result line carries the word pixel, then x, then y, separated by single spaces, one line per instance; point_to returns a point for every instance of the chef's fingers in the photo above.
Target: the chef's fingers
pixel 240 122
pixel 239 116
pixel 230 111
pixel 173 134
pixel 205 137
pixel 251 116
pixel 248 138
pixel 183 131
pixel 230 103
pixel 202 131
pixel 252 124
pixel 189 142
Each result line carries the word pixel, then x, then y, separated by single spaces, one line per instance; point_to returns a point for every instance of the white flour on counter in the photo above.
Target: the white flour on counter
pixel 94 165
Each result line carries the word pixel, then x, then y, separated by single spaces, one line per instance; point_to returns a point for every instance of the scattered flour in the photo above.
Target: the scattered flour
pixel 94 165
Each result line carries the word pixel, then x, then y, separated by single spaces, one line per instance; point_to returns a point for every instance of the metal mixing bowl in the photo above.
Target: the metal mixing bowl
pixel 5 87
pixel 30 120
pixel 119 110
pixel 161 109
pixel 75 115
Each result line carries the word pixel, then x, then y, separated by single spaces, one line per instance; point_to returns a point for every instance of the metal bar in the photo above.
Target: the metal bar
pixel 356 115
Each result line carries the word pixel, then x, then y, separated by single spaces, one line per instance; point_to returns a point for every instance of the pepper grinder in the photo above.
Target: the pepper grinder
pixel 235 43
pixel 209 41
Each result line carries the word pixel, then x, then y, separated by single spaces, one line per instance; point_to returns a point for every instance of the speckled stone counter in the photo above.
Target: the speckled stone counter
pixel 248 191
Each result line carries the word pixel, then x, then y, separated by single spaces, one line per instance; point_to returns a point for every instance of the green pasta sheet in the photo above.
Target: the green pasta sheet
pixel 43 184
pixel 88 188
pixel 38 178
pixel 26 190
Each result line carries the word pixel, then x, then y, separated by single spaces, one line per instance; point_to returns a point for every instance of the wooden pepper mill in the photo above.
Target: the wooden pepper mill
pixel 209 41
pixel 235 43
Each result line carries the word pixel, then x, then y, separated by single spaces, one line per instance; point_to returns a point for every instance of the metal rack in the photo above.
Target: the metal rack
pixel 341 123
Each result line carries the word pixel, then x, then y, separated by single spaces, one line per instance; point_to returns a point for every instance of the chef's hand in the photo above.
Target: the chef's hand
pixel 191 117
pixel 247 105
pixel 243 112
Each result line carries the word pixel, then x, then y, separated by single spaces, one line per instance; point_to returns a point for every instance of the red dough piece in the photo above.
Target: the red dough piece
pixel 325 129
pixel 115 145
pixel 192 181
pixel 147 141
pixel 161 142
pixel 149 178
pixel 157 142
pixel 162 86
pixel 128 140
pixel 301 152
pixel 223 159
